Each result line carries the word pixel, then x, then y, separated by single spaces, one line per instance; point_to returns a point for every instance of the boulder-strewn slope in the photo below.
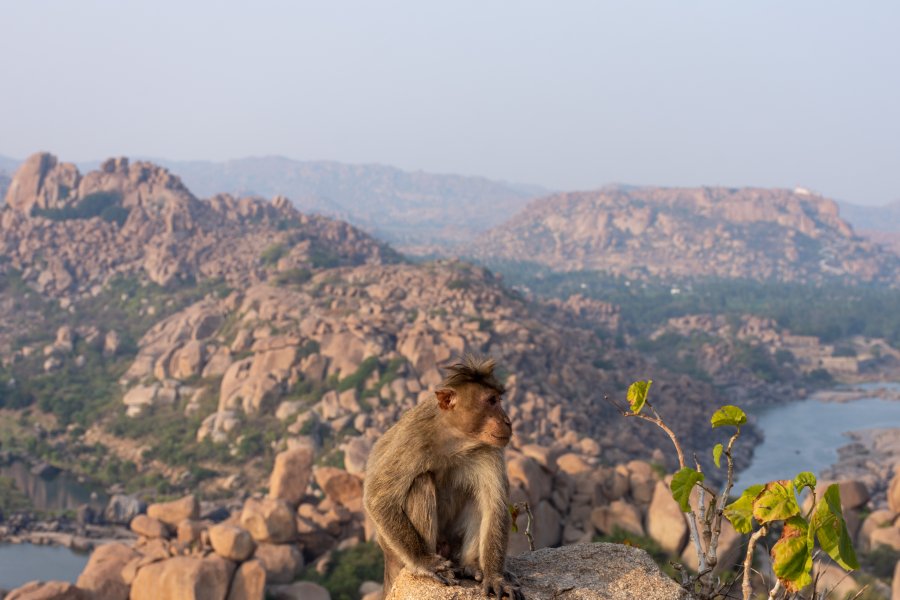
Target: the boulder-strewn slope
pixel 67 232
pixel 765 234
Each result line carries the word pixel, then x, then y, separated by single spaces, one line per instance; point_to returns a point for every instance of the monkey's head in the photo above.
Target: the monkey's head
pixel 469 399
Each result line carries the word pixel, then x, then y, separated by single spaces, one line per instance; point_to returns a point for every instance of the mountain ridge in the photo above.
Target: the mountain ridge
pixel 733 233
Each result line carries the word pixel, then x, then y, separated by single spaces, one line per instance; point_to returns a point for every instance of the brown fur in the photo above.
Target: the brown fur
pixel 436 486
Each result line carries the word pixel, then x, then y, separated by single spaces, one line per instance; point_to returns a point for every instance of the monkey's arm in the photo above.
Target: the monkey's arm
pixel 407 523
pixel 493 497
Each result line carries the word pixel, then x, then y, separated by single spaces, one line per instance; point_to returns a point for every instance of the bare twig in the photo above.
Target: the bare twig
pixel 748 561
pixel 528 523
pixel 775 589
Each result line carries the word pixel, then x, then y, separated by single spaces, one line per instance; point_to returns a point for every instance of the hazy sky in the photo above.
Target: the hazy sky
pixel 563 94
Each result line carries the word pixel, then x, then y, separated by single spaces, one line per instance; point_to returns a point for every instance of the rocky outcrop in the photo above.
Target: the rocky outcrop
pixel 136 218
pixel 586 572
pixel 746 233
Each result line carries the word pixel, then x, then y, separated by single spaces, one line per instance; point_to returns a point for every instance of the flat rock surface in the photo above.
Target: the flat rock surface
pixel 581 572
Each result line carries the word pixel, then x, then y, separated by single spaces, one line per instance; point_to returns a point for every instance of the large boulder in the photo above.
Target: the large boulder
pixel 174 512
pixel 340 486
pixel 149 527
pixel 185 578
pixel 231 542
pixel 301 590
pixel 893 493
pixel 269 520
pixel 121 509
pixel 47 590
pixel 102 576
pixel 584 571
pixel 282 562
pixel 618 515
pixel 665 521
pixel 291 473
pixel 249 582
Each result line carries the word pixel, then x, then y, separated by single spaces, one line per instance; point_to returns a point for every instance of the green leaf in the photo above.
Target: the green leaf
pixel 792 555
pixel 776 502
pixel 828 524
pixel 740 512
pixel 804 480
pixel 717 455
pixel 514 514
pixel 682 483
pixel 729 415
pixel 637 395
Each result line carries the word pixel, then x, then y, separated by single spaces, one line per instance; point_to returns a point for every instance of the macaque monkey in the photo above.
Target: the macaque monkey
pixel 436 486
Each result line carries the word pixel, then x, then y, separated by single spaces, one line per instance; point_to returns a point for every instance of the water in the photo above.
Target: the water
pixel 21 563
pixel 805 435
pixel 60 492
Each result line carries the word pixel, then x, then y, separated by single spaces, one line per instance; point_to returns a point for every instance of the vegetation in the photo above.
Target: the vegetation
pixel 106 205
pixel 11 499
pixel 348 569
pixel 772 506
pixel 829 311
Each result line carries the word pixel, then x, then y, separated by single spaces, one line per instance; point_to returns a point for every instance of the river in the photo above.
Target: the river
pixel 21 563
pixel 805 435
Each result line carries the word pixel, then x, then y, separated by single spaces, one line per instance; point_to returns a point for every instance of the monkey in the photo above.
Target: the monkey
pixel 436 487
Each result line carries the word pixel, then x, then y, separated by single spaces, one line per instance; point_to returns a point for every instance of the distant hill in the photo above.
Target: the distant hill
pixel 873 218
pixel 400 206
pixel 748 233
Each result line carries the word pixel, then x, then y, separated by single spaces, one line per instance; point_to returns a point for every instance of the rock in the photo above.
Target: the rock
pixel 339 485
pixel 149 527
pixel 269 520
pixel 301 590
pixel 231 542
pixel 249 582
pixel 584 571
pixel 140 397
pixel 121 509
pixel 102 576
pixel 665 521
pixel 547 525
pixel 619 514
pixel 356 453
pixel 183 577
pixel 290 475
pixel 47 590
pixel 174 512
pixel 876 520
pixel 895 587
pixel 893 493
pixel 282 561
pixel 189 531
pixel 572 464
pixel 885 536
pixel 854 494
pixel 111 343
pixel 535 480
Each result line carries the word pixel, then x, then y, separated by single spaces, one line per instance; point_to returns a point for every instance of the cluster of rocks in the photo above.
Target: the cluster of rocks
pixel 169 235
pixel 744 233
pixel 256 549
pixel 401 322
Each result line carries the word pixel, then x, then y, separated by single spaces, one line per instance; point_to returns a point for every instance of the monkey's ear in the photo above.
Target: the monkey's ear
pixel 446 398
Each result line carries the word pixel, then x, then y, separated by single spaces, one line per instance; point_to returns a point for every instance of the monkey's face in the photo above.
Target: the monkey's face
pixel 475 411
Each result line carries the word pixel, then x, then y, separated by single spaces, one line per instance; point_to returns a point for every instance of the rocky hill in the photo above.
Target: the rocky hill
pixel 69 233
pixel 400 206
pixel 748 233
pixel 191 331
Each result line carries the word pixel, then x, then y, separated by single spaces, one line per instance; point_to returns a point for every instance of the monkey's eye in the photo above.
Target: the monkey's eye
pixel 493 400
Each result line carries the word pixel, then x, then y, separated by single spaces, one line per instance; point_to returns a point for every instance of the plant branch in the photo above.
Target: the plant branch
pixel 748 561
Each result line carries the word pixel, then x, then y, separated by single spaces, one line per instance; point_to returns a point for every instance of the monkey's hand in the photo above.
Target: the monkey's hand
pixel 438 568
pixel 501 587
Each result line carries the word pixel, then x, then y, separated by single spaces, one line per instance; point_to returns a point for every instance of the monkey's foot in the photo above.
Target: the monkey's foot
pixel 439 569
pixel 500 587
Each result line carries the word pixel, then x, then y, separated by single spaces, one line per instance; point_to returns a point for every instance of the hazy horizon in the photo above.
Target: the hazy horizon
pixel 565 97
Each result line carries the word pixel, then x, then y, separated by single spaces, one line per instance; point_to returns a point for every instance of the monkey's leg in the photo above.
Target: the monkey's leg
pixel 392 567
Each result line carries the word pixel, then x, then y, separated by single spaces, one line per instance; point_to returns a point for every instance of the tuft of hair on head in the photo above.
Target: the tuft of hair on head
pixel 471 369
